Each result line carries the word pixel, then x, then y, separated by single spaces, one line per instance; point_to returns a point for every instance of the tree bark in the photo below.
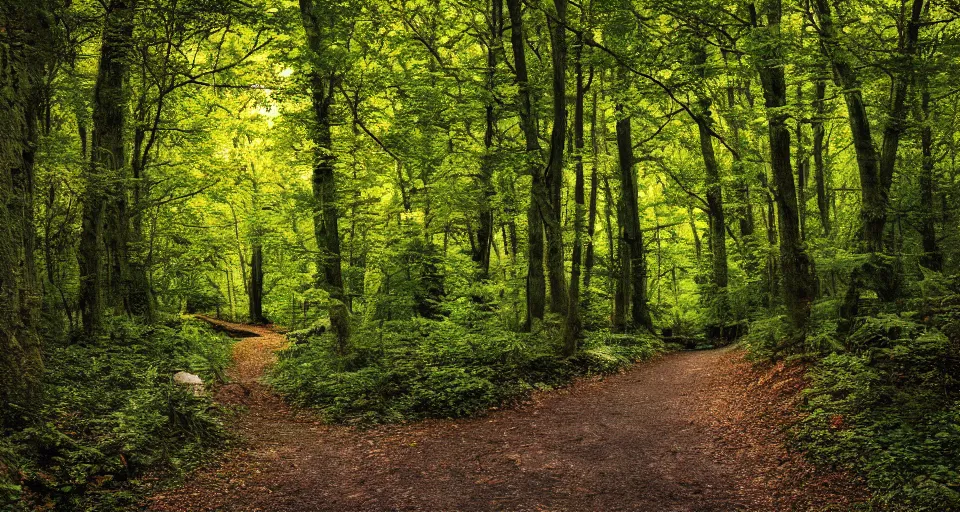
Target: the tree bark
pixel 256 284
pixel 803 165
pixel 550 212
pixel 324 78
pixel 633 259
pixel 876 168
pixel 798 282
pixel 536 283
pixel 873 197
pixel 25 40
pixel 932 256
pixel 772 277
pixel 819 164
pixel 718 231
pixel 574 323
pixel 481 250
pixel 744 209
pixel 592 209
pixel 902 78
pixel 617 277
pixel 104 237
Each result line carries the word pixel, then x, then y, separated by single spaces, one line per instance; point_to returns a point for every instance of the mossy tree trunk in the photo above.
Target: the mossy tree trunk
pixel 550 210
pixel 485 226
pixel 24 42
pixel 574 322
pixel 876 167
pixel 536 282
pixel 324 80
pixel 104 227
pixel 714 188
pixel 633 265
pixel 797 282
pixel 819 150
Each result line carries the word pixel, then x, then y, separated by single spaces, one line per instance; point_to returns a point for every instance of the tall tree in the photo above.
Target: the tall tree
pixel 742 207
pixel 550 210
pixel 798 282
pixel 574 323
pixel 932 255
pixel 876 166
pixel 536 283
pixel 633 263
pixel 104 237
pixel 25 44
pixel 819 150
pixel 590 256
pixel 481 250
pixel 323 22
pixel 715 207
pixel 256 255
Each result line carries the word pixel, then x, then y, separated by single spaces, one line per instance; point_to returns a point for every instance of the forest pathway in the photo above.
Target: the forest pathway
pixel 691 431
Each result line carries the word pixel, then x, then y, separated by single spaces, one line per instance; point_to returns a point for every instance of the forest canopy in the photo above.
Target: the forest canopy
pixel 452 202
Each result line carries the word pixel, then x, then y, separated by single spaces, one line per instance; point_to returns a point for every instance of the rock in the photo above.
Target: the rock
pixel 190 381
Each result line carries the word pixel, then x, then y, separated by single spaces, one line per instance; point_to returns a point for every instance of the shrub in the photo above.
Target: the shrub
pixel 888 409
pixel 452 367
pixel 451 391
pixel 764 337
pixel 111 412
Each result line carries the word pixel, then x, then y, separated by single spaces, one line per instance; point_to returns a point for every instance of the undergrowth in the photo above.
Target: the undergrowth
pixel 884 401
pixel 447 368
pixel 111 413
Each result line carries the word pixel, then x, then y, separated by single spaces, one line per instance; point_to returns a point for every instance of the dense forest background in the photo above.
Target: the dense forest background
pixel 452 202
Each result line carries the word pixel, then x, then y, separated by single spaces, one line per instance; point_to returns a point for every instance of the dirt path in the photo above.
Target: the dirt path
pixel 689 431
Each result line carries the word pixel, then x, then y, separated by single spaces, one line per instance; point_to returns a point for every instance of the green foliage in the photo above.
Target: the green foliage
pixel 10 487
pixel 223 126
pixel 888 408
pixel 764 337
pixel 112 413
pixel 418 368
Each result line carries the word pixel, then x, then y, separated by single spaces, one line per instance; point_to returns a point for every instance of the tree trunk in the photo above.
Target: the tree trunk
pixel 697 244
pixel 932 256
pixel 633 264
pixel 481 250
pixel 803 166
pixel 550 212
pixel 876 168
pixel 574 323
pixel 772 277
pixel 902 78
pixel 231 296
pixel 324 79
pixel 819 165
pixel 139 294
pixel 592 210
pixel 617 276
pixel 256 284
pixel 873 198
pixel 718 231
pixel 743 210
pixel 536 284
pixel 24 41
pixel 104 227
pixel 798 283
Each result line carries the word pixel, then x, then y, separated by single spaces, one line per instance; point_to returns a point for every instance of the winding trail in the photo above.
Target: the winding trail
pixel 690 431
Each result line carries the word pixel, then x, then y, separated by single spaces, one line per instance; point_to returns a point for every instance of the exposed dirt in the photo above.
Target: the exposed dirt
pixel 689 431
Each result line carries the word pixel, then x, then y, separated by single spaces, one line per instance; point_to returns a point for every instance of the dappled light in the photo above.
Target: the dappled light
pixel 479 255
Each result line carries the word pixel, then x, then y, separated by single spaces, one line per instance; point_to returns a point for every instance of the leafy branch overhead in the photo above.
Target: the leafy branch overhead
pixel 450 203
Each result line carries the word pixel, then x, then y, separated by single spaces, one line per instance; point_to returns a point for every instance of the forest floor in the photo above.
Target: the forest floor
pixel 689 431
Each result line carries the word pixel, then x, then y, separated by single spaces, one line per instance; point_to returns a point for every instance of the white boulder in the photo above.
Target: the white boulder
pixel 190 381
